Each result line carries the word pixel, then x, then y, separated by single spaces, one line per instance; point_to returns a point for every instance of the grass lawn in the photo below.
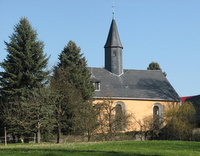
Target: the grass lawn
pixel 121 148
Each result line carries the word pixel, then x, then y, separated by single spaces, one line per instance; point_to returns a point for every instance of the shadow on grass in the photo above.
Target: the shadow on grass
pixel 60 152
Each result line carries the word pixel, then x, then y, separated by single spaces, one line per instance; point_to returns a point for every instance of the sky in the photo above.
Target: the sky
pixel 162 31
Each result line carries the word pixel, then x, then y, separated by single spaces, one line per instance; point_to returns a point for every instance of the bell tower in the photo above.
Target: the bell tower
pixel 113 50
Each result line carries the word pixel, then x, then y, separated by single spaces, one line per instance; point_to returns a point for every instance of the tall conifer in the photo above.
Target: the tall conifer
pixel 24 71
pixel 25 63
pixel 79 75
pixel 71 81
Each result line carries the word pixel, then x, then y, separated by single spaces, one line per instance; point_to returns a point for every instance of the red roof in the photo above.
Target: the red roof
pixel 184 98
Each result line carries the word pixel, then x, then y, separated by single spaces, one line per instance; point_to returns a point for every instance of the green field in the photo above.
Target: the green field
pixel 122 148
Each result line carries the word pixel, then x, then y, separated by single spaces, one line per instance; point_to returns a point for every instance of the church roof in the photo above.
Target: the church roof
pixel 134 84
pixel 113 39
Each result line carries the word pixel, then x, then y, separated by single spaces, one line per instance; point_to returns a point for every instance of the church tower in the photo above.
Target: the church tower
pixel 113 50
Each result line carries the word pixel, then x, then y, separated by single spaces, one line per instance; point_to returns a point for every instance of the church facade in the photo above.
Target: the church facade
pixel 142 93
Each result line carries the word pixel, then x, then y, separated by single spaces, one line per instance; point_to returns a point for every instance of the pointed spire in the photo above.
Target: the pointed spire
pixel 113 39
pixel 113 51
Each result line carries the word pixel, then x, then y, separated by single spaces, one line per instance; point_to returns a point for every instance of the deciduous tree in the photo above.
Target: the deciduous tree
pixel 112 119
pixel 180 122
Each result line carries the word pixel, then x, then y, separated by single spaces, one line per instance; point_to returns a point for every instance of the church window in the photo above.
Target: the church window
pixel 156 111
pixel 157 115
pixel 120 117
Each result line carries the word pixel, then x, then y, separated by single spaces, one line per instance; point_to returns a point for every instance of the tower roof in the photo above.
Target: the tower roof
pixel 113 39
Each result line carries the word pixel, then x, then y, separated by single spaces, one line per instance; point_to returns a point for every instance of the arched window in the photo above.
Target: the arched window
pixel 157 115
pixel 156 110
pixel 120 117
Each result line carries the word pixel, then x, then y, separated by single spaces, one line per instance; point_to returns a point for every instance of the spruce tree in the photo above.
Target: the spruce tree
pixel 25 63
pixel 72 59
pixel 24 70
pixel 71 81
pixel 67 100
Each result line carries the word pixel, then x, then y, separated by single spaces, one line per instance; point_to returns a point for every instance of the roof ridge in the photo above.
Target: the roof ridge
pixel 142 70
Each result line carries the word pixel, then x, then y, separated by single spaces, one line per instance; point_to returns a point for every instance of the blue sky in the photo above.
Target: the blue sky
pixel 163 31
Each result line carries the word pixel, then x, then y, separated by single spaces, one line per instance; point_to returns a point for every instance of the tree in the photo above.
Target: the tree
pixel 146 127
pixel 36 114
pixel 79 74
pixel 25 64
pixel 112 118
pixel 67 100
pixel 71 81
pixel 180 122
pixel 24 68
pixel 88 120
pixel 39 111
pixel 155 66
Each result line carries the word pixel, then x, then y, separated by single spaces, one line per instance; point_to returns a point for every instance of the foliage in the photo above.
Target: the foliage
pixel 155 66
pixel 38 112
pixel 196 103
pixel 119 148
pixel 110 122
pixel 25 63
pixel 71 83
pixel 180 122
pixel 32 115
pixel 79 75
pixel 24 70
pixel 86 121
pixel 146 127
pixel 66 100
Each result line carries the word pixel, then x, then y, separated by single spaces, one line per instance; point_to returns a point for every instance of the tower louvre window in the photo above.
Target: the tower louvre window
pixel 114 53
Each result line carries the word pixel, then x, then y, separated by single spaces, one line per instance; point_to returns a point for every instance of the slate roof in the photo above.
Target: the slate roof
pixel 133 84
pixel 113 39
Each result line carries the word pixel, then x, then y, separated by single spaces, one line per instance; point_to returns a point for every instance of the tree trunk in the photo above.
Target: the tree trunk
pixel 38 136
pixel 58 133
pixel 88 135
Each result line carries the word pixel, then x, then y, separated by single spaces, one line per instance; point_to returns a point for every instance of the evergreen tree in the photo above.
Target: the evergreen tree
pixel 38 110
pixel 24 69
pixel 79 74
pixel 25 63
pixel 155 66
pixel 67 100
pixel 73 89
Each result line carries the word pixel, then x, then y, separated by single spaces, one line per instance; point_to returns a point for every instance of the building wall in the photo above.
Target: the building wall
pixel 139 110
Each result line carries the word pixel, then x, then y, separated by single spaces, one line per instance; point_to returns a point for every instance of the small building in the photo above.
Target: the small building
pixel 143 93
pixel 195 100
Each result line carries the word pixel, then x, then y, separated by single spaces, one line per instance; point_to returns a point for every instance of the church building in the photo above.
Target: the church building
pixel 141 92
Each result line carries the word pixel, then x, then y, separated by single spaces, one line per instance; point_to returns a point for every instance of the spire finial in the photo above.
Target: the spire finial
pixel 113 9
